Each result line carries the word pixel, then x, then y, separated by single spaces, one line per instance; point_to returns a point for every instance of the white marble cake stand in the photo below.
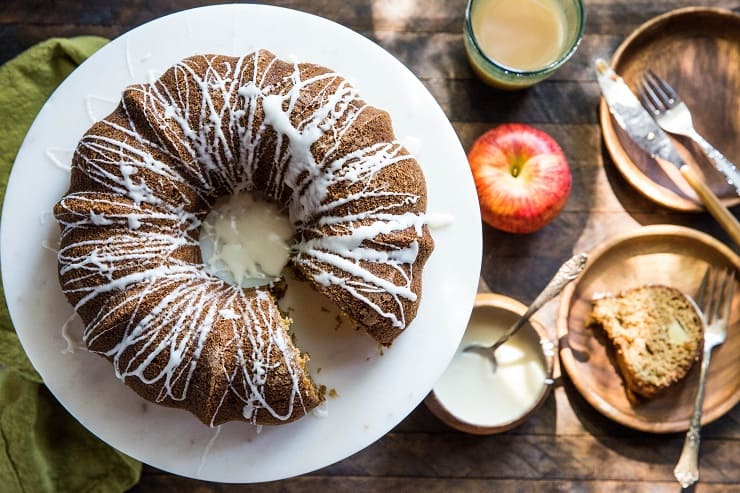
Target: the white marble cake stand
pixel 375 391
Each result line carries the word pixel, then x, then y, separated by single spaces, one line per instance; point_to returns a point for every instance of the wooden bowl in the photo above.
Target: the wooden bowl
pixel 669 255
pixel 697 50
pixel 508 309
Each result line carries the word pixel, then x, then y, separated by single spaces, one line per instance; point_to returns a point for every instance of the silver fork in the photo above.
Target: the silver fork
pixel 672 114
pixel 714 299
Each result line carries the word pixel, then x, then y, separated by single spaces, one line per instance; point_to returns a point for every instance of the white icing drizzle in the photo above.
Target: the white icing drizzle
pixel 437 221
pixel 206 136
pixel 322 410
pixel 207 450
pixel 44 217
pixel 45 245
pixel 73 343
pixel 98 107
pixel 228 314
pixel 153 75
pixel 61 158
pixel 129 64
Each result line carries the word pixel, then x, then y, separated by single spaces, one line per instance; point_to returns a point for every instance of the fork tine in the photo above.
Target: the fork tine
pixel 655 84
pixel 714 295
pixel 728 290
pixel 653 96
pixel 664 86
pixel 701 294
pixel 645 100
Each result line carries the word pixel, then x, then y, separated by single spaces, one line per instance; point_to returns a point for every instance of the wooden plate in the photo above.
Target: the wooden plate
pixel 669 255
pixel 697 50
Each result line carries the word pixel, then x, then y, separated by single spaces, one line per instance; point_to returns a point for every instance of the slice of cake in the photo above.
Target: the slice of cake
pixel 656 333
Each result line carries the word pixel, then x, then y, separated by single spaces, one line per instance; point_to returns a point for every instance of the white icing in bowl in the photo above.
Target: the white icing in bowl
pixel 470 396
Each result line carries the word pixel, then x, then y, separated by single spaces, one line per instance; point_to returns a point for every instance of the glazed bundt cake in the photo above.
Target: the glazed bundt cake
pixel 145 177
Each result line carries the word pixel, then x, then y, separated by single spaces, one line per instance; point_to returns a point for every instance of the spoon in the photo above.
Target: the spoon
pixel 567 272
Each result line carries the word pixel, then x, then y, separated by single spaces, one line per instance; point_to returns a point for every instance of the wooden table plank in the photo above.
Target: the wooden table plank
pixel 566 445
pixel 603 16
pixel 569 414
pixel 569 102
pixel 584 457
pixel 313 484
pixel 441 55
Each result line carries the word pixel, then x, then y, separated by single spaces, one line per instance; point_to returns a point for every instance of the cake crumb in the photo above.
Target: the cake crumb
pixel 333 393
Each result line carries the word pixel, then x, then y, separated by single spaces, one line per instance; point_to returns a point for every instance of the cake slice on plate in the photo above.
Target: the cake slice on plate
pixel 656 333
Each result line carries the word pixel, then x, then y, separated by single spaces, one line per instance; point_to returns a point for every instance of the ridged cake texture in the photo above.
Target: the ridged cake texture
pixel 145 177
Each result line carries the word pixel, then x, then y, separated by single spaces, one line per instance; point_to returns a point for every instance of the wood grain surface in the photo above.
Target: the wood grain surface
pixel 566 445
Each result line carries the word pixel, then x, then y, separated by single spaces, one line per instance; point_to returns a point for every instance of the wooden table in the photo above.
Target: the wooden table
pixel 567 445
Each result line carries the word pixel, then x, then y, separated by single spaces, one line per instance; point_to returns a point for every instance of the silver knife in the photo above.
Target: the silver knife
pixel 640 126
pixel 642 129
pixel 632 117
pixel 624 108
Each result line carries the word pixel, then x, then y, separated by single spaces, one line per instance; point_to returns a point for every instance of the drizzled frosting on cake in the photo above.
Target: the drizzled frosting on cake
pixel 144 178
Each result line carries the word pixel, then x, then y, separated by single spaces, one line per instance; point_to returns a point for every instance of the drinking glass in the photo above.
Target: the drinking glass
pixel 501 76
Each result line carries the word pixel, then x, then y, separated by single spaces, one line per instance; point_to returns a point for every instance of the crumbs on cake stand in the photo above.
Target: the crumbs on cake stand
pixel 324 392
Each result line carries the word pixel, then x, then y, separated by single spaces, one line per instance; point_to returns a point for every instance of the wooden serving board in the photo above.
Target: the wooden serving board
pixel 697 50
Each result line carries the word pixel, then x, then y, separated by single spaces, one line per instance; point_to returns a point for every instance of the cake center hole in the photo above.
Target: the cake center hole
pixel 245 240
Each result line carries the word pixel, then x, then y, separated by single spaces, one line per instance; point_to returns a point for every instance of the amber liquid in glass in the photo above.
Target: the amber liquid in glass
pixel 523 35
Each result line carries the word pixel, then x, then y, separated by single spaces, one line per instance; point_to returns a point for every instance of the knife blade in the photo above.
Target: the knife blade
pixel 639 125
pixel 642 129
pixel 632 117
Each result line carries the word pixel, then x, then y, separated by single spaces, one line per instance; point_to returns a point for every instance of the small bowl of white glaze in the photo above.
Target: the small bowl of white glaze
pixel 470 396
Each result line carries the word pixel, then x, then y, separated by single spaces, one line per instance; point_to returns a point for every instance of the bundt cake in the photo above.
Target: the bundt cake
pixel 145 177
pixel 656 333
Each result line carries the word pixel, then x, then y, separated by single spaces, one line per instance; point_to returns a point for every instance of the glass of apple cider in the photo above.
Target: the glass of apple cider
pixel 513 44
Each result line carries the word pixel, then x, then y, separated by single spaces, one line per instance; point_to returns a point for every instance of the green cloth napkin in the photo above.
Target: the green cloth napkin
pixel 43 448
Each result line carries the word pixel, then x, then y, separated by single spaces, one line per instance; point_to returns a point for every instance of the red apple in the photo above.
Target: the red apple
pixel 521 175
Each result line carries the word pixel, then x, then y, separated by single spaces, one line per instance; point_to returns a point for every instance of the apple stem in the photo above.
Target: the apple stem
pixel 515 171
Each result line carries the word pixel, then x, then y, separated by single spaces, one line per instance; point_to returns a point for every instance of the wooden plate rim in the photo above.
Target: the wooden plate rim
pixel 631 173
pixel 567 359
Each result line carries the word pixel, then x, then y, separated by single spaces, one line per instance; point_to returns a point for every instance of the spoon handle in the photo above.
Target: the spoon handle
pixel 567 272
